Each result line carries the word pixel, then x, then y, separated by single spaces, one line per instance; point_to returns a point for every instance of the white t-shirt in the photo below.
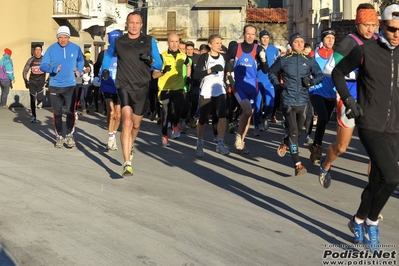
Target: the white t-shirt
pixel 212 85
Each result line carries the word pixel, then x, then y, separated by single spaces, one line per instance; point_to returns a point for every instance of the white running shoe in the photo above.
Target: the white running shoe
pixel 220 148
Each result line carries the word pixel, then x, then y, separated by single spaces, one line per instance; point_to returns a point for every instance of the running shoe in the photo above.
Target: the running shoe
pixel 175 132
pixel 193 123
pixel 300 169
pixel 315 154
pixel 33 119
pixel 183 126
pixel 283 147
pixel 220 148
pixel 274 119
pixel 372 237
pixel 127 170
pixel 112 144
pixel 256 132
pixel 260 127
pixel 315 120
pixel 216 139
pixel 69 141
pixel 265 124
pixel 239 144
pixel 308 141
pixel 165 141
pixel 357 231
pixel 324 175
pixel 59 143
pixel 152 116
pixel 115 146
pixel 40 105
pixel 200 149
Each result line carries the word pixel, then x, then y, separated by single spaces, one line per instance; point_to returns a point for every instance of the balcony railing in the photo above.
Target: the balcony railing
pixel 161 33
pixel 204 32
pixel 71 9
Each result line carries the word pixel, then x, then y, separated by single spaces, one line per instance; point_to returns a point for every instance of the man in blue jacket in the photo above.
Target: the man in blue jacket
pixel 299 73
pixel 64 61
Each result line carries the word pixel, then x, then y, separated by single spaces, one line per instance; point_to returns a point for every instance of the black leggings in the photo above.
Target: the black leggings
pixel 323 108
pixel 277 101
pixel 154 103
pixel 309 120
pixel 383 150
pixel 36 93
pixel 294 119
pixel 193 94
pixel 173 100
pixel 232 104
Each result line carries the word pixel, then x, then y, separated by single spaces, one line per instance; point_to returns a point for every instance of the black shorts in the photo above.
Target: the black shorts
pixel 136 99
pixel 113 96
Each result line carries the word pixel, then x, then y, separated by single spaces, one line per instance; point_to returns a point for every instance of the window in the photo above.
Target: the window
pixel 171 22
pixel 276 3
pixel 213 22
pixel 87 47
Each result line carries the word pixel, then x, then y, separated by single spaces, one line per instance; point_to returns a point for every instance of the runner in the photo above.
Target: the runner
pixel 211 69
pixel 36 80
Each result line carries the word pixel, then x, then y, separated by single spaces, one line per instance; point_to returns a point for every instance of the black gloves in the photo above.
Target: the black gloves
pixel 105 74
pixel 26 83
pixel 167 68
pixel 147 58
pixel 217 68
pixel 279 88
pixel 307 82
pixel 353 109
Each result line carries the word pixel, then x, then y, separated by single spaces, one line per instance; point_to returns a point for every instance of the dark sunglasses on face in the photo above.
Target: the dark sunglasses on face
pixel 391 29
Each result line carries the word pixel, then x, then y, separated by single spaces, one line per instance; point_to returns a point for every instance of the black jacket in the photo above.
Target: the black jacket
pixel 378 88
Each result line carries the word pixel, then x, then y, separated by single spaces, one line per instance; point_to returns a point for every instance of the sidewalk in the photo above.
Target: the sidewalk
pixel 71 207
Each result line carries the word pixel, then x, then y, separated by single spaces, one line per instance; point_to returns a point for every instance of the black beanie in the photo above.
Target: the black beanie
pixel 295 36
pixel 326 32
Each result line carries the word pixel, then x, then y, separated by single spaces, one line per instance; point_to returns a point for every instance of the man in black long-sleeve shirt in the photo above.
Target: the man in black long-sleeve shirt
pixel 376 113
pixel 247 56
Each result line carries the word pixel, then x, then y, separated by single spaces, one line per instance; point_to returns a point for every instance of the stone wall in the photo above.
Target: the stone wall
pixel 278 32
pixel 21 98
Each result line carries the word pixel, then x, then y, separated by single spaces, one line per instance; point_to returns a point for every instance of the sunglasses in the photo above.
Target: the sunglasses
pixel 391 29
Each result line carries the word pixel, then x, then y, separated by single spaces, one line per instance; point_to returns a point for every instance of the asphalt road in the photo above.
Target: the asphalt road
pixel 71 206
